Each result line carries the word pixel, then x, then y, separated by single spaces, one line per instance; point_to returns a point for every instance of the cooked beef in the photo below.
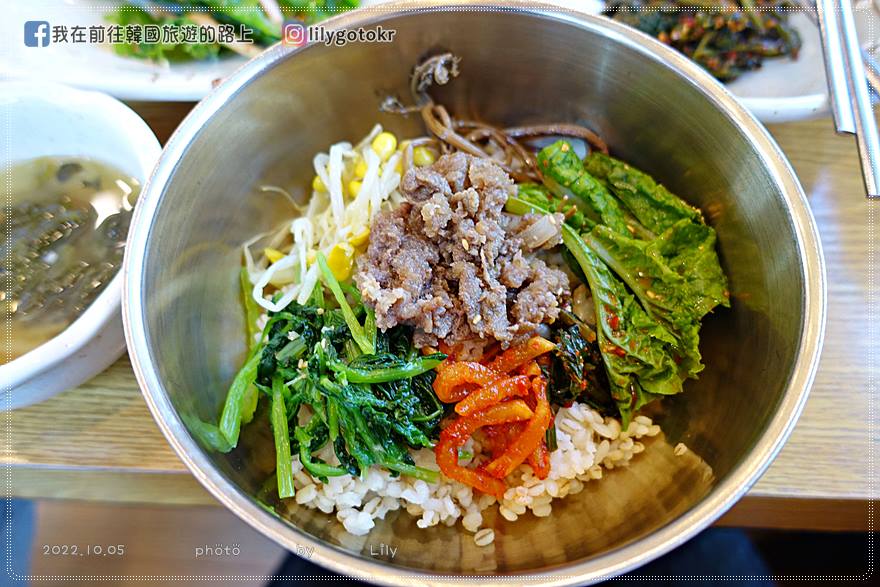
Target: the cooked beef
pixel 423 182
pixel 451 263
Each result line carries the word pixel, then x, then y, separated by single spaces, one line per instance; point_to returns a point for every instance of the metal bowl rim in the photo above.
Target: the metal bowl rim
pixel 608 564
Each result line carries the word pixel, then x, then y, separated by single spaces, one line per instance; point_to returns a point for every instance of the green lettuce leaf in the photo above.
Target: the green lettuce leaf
pixel 676 277
pixel 638 352
pixel 655 207
pixel 541 197
pixel 565 176
pixel 649 261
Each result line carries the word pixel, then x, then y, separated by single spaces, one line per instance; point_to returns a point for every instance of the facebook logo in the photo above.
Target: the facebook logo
pixel 36 33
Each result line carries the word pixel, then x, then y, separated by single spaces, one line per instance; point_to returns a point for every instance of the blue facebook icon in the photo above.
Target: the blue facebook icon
pixel 36 33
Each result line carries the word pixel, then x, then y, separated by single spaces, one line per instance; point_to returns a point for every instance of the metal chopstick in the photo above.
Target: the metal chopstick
pixel 866 124
pixel 872 71
pixel 872 68
pixel 847 85
pixel 835 67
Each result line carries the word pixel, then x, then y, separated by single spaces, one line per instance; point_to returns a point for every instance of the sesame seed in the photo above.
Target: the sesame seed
pixel 320 311
pixel 679 449
pixel 465 244
pixel 477 319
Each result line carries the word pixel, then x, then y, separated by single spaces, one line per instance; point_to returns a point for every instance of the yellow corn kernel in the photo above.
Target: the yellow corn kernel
pixel 318 184
pixel 340 260
pixel 384 145
pixel 354 186
pixel 361 239
pixel 274 255
pixel 423 156
pixel 360 169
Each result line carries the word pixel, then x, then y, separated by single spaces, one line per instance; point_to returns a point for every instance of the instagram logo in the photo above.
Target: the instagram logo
pixel 293 33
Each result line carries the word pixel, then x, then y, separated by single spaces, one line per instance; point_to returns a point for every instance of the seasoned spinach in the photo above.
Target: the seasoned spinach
pixel 368 398
pixel 576 371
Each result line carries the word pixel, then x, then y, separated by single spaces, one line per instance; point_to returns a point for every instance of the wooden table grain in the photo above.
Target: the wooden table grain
pixel 99 442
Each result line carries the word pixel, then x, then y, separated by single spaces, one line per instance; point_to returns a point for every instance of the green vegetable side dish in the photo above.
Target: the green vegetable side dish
pixel 196 13
pixel 650 292
pixel 726 37
pixel 333 379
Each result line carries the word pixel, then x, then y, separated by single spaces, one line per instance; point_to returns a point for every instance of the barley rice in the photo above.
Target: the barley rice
pixel 484 537
pixel 588 444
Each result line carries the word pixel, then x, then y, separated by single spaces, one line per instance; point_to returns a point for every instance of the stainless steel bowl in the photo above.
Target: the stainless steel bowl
pixel 656 109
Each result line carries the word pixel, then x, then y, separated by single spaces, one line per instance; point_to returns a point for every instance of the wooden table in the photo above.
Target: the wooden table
pixel 99 442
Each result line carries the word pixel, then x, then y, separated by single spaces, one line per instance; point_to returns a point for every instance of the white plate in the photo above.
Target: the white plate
pixel 48 119
pixel 792 89
pixel 96 67
pixel 782 90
